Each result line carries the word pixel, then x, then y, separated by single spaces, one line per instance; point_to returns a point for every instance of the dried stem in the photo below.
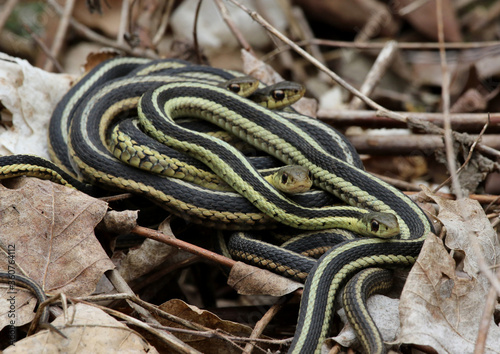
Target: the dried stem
pixel 163 23
pixel 467 160
pixel 486 319
pixel 121 285
pixel 195 33
pixel 403 45
pixel 367 118
pixel 62 29
pixel 159 236
pixel 165 337
pixel 263 322
pixel 88 33
pixel 445 96
pixel 376 73
pixel 124 23
pixel 227 18
pixel 6 11
pixel 44 48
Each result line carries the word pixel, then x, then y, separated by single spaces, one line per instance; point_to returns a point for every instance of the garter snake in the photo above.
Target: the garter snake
pixel 159 108
pixel 29 284
pixel 91 107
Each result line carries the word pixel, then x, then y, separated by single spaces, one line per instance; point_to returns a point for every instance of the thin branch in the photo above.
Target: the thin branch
pixel 373 25
pixel 367 118
pixel 195 32
pixel 62 29
pixel 43 47
pixel 124 23
pixel 121 285
pixel 306 32
pixel 481 198
pixel 165 337
pixel 376 73
pixel 403 185
pixel 467 160
pixel 227 18
pixel 263 322
pixel 163 23
pixel 88 33
pixel 159 236
pixel 486 319
pixel 412 6
pixel 259 19
pixel 403 45
pixel 6 11
pixel 445 96
pixel 407 144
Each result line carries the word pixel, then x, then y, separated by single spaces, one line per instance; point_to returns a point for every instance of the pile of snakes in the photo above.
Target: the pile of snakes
pixel 173 131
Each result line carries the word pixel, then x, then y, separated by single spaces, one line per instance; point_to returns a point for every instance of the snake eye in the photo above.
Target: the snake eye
pixel 278 95
pixel 310 175
pixel 284 178
pixel 234 88
pixel 374 225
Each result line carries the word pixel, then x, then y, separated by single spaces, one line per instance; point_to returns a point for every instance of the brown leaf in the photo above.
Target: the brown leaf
pixel 48 231
pixel 441 305
pixel 385 314
pixel 250 280
pixel 193 314
pixel 119 222
pixel 91 330
pixel 424 19
pixel 141 260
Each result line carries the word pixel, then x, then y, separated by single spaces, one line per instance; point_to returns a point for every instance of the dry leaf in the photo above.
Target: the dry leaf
pixel 143 259
pixel 424 19
pixel 250 280
pixel 259 70
pixel 441 305
pixel 148 256
pixel 119 222
pixel 49 231
pixel 194 314
pixel 29 96
pixel 91 331
pixel 384 312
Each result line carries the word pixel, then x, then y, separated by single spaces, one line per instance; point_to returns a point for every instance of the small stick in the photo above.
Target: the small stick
pixel 163 23
pixel 168 339
pixel 369 118
pixel 62 29
pixel 411 143
pixel 227 18
pixel 481 198
pixel 467 160
pixel 486 319
pixel 373 25
pixel 376 73
pixel 88 33
pixel 403 45
pixel 159 236
pixel 195 33
pixel 262 323
pixel 124 22
pixel 43 47
pixel 6 11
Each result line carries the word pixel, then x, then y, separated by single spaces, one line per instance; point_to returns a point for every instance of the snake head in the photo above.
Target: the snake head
pixel 291 179
pixel 382 225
